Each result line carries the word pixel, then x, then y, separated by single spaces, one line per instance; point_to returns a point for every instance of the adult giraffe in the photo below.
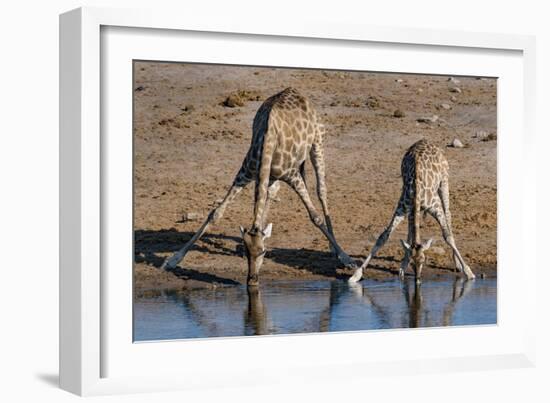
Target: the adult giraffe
pixel 286 129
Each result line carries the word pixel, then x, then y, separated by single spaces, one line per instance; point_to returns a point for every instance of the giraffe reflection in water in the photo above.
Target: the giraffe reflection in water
pixel 313 307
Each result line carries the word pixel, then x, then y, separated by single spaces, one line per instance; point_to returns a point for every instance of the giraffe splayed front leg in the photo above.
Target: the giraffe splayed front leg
pixel 215 215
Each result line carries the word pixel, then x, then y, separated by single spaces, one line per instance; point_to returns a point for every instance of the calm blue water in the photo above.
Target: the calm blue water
pixel 313 306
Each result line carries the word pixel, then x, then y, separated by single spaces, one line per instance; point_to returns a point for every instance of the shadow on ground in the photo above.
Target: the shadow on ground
pixel 151 246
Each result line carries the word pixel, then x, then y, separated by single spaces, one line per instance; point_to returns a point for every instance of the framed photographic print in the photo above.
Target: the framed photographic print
pixel 240 202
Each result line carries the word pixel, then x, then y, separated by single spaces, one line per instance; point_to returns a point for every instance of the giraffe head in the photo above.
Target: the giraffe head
pixel 418 256
pixel 254 248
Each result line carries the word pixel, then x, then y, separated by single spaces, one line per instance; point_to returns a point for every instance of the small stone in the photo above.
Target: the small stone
pixel 218 201
pixel 457 144
pixel 453 98
pixel 191 216
pixel 428 119
pixel 140 88
pixel 455 90
pixel 398 113
pixel 445 106
pixel 419 90
pixel 399 80
pixel 453 80
pixel 233 100
pixel 372 102
pixel 481 135
pixel 490 137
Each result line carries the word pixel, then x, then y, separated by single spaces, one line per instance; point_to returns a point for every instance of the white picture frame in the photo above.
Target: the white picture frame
pixel 96 356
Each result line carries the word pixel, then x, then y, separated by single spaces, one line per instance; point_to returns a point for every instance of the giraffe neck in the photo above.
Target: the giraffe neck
pixel 264 173
pixel 416 207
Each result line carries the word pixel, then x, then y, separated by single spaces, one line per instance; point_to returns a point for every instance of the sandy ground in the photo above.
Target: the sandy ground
pixel 188 146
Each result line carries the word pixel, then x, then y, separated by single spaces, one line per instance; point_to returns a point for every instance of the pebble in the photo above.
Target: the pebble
pixel 455 89
pixel 398 113
pixel 481 135
pixel 445 106
pixel 428 119
pixel 191 216
pixel 453 80
pixel 399 80
pixel 233 100
pixel 454 99
pixel 372 102
pixel 457 144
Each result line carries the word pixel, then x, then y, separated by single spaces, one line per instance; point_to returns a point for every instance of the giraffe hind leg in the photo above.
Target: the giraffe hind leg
pixel 443 193
pixel 439 214
pixel 318 162
pixel 214 216
pixel 297 183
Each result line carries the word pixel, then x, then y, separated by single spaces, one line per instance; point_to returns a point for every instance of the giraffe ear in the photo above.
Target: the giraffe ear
pixel 243 231
pixel 426 245
pixel 267 231
pixel 405 245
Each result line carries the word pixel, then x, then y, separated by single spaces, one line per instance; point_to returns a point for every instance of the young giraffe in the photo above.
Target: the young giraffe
pixel 285 130
pixel 425 173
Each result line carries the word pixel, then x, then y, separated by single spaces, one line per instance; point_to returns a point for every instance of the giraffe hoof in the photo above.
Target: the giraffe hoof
pixel 469 273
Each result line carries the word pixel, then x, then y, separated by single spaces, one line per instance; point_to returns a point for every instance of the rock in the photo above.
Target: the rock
pixel 398 113
pixel 453 80
pixel 233 100
pixel 454 99
pixel 429 119
pixel 191 216
pixel 481 135
pixel 419 90
pixel 399 80
pixel 490 137
pixel 455 90
pixel 457 144
pixel 140 88
pixel 445 106
pixel 372 102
